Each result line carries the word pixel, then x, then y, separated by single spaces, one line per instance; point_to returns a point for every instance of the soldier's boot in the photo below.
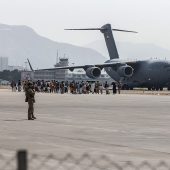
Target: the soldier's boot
pixel 33 117
pixel 30 118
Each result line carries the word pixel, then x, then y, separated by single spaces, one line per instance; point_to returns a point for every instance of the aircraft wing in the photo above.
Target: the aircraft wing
pixel 71 68
pixel 101 66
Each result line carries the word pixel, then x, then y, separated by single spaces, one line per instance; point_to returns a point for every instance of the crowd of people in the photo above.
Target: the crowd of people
pixel 83 87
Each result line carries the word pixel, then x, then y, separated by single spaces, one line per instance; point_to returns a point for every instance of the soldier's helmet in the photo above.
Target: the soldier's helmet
pixel 30 84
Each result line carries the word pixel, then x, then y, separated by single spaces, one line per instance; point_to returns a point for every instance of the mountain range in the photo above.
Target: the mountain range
pixel 21 42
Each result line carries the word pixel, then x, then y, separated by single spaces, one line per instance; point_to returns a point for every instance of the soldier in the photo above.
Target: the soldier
pixel 30 93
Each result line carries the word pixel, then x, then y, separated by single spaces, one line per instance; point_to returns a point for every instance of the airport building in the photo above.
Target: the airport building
pixel 60 75
pixel 4 65
pixel 47 75
pixel 54 74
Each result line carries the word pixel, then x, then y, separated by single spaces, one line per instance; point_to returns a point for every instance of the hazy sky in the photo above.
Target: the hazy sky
pixel 151 18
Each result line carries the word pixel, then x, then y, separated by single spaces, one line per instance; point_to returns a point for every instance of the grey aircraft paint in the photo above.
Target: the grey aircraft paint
pixel 110 42
pixel 153 74
pixel 149 73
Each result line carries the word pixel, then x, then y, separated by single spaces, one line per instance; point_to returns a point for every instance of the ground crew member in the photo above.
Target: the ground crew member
pixel 30 93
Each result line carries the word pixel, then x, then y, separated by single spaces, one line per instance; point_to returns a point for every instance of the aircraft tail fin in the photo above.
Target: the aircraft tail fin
pixel 30 65
pixel 109 39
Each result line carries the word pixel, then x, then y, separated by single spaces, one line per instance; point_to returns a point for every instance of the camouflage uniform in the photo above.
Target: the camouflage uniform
pixel 30 93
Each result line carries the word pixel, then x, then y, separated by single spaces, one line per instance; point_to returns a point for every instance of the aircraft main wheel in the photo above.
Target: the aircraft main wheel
pixel 153 88
pixel 125 87
pixel 149 88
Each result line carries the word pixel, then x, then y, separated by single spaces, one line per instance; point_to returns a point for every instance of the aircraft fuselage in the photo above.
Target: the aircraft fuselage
pixel 148 73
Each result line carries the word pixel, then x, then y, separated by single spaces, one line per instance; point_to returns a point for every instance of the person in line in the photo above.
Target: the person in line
pixel 92 87
pixel 119 87
pixel 107 87
pixel 19 86
pixel 13 86
pixel 101 88
pixel 97 87
pixel 114 87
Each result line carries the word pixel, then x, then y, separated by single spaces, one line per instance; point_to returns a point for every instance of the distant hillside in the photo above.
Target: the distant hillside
pixel 132 50
pixel 20 42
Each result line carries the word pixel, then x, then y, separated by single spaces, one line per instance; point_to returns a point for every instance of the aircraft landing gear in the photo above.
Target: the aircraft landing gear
pixel 125 87
pixel 161 88
pixel 157 88
pixel 149 88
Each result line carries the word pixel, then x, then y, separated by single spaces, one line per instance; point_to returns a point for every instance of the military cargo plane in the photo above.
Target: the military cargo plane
pixel 151 74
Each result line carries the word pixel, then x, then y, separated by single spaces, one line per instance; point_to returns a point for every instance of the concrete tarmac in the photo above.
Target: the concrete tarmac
pixel 125 126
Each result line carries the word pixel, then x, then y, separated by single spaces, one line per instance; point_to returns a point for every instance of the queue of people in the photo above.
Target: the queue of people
pixel 83 87
pixel 73 87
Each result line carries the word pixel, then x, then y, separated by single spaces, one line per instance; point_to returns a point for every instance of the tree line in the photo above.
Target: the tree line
pixel 10 75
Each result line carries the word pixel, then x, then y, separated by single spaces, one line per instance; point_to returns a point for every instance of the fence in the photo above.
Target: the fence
pixel 23 161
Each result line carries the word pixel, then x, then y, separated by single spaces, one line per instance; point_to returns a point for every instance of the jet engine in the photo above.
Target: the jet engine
pixel 93 72
pixel 125 71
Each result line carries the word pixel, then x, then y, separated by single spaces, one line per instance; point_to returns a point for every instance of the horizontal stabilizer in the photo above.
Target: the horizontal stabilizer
pixel 109 39
pixel 85 29
pixel 100 29
pixel 124 30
